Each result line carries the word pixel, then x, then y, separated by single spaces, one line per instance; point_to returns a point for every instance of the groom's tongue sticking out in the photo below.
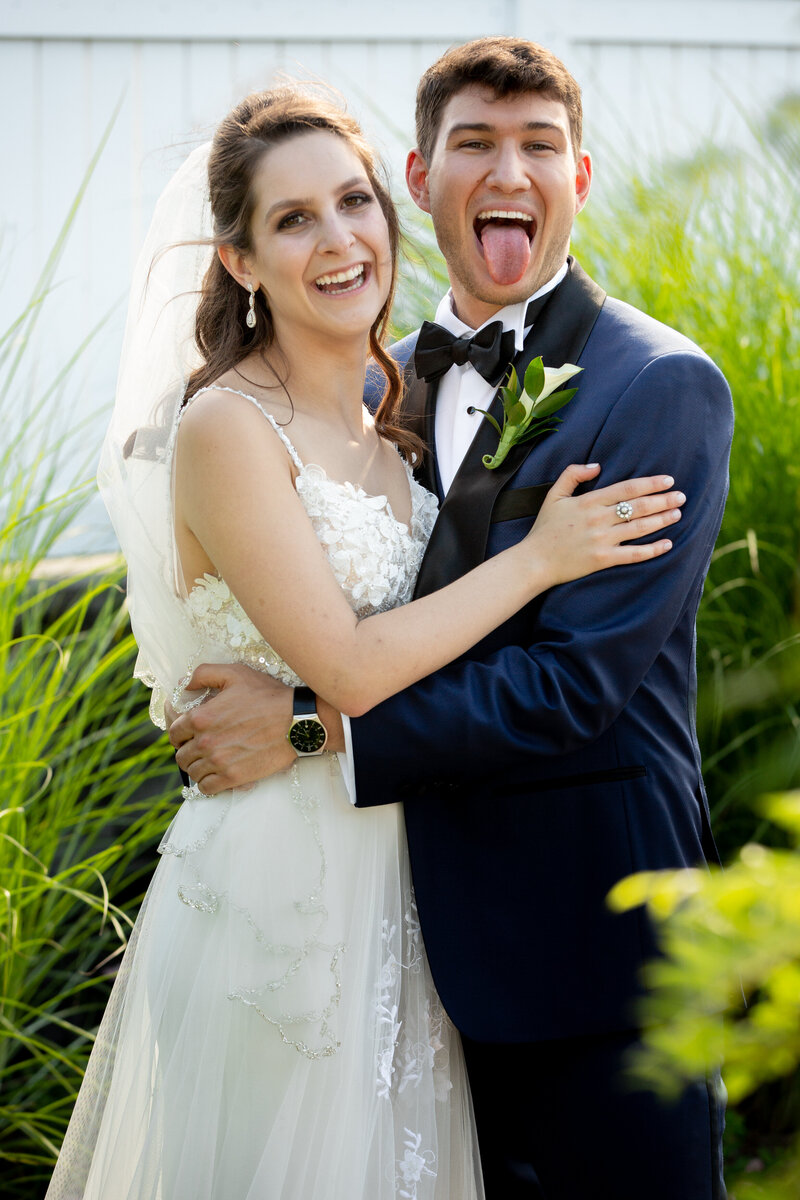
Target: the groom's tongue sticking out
pixel 502 180
pixel 506 241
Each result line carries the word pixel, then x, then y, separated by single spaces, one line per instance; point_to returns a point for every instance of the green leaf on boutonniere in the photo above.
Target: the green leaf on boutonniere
pixel 528 411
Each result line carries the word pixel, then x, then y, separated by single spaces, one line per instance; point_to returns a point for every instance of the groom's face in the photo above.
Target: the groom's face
pixel 503 185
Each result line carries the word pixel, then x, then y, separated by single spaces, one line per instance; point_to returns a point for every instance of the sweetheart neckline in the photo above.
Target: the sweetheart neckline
pixel 207 577
pixel 364 494
pixel 302 465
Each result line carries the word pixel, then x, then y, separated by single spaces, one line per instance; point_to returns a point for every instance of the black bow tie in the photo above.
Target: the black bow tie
pixel 490 350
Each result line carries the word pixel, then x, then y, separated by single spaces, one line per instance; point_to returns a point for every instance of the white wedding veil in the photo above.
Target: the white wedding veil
pixel 135 471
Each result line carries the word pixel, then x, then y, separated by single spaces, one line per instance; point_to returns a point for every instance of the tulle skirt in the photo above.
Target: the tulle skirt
pixel 273 1033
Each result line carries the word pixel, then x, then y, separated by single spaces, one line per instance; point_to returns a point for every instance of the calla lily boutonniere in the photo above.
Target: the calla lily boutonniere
pixel 529 411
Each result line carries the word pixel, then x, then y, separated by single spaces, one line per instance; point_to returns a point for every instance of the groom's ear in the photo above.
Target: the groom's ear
pixel 583 180
pixel 417 180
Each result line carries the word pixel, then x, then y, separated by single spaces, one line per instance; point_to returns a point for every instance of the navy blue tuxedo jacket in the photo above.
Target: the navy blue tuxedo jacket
pixel 560 754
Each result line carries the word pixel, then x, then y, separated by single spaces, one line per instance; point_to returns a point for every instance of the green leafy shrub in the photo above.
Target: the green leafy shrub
pixel 726 936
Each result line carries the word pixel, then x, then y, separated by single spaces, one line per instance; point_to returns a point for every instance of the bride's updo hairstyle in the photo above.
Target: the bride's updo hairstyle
pixel 261 121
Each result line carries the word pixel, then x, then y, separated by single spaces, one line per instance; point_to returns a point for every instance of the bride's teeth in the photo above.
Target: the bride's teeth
pixel 340 276
pixel 492 214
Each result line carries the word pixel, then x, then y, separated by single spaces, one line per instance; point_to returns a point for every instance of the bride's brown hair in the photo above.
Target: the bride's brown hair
pixel 263 120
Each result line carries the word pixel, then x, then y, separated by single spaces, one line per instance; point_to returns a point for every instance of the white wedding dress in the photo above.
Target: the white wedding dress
pixel 274 1033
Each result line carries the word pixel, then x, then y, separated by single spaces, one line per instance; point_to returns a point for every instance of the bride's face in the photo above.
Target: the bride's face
pixel 321 250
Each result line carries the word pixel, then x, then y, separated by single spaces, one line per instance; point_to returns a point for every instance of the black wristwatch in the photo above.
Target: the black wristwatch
pixel 307 735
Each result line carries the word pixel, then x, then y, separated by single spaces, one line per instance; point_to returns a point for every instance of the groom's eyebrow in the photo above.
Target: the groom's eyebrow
pixel 470 127
pixel 485 127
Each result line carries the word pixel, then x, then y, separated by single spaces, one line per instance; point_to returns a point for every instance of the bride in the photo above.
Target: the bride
pixel 273 1033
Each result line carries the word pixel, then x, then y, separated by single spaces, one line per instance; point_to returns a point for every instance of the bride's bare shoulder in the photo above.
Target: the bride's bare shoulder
pixel 230 422
pixel 218 401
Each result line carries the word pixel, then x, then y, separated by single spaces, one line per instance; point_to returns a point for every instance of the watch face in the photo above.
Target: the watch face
pixel 307 735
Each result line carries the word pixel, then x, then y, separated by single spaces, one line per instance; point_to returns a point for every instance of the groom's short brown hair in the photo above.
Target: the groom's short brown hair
pixel 510 67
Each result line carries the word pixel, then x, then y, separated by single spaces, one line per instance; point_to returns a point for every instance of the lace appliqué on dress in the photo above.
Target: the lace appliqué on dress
pixel 407 1054
pixel 197 893
pixel 375 560
pixel 413 1166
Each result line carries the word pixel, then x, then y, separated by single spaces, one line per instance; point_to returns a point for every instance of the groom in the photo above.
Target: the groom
pixel 560 754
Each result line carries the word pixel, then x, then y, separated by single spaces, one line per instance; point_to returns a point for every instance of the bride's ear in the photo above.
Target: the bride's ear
pixel 235 264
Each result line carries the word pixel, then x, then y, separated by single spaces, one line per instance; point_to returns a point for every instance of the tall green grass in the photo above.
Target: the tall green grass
pixel 710 246
pixel 85 790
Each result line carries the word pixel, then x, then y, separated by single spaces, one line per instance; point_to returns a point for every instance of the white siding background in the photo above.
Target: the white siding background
pixel 657 76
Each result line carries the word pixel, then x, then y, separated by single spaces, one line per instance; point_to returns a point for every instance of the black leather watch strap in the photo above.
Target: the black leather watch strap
pixel 304 703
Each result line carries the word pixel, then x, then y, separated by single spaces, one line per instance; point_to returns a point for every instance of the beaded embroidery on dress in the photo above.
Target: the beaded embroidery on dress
pixel 274 1033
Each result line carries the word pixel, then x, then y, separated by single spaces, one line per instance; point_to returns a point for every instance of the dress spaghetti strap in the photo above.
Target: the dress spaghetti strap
pixel 295 457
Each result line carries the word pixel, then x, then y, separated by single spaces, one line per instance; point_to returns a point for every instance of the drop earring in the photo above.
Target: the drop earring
pixel 250 319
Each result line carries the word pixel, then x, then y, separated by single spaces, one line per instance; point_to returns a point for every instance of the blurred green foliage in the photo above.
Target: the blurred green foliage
pixel 727 989
pixel 726 934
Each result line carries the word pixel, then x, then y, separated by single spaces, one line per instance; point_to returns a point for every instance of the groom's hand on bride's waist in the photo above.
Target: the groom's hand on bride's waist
pixel 238 735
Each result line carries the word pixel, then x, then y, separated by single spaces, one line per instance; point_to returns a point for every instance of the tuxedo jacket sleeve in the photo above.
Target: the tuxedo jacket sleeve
pixel 555 678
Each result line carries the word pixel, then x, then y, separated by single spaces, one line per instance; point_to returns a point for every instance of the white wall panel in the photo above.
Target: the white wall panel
pixel 310 20
pixel 255 64
pixel 19 183
pixel 658 77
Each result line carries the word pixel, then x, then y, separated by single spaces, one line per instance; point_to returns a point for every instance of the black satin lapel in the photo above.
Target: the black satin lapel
pixel 458 541
pixel 514 503
pixel 419 407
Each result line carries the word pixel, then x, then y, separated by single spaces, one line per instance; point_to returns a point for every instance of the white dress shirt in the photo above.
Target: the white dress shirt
pixel 460 389
pixel 464 388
